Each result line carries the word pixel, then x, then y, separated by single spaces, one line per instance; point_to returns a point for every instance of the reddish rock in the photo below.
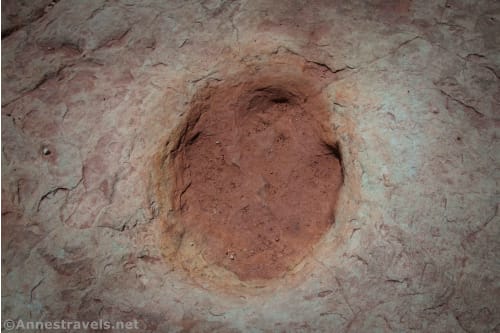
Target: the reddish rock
pixel 95 94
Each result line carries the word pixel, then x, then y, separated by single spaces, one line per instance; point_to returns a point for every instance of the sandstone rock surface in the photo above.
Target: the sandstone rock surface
pixel 92 91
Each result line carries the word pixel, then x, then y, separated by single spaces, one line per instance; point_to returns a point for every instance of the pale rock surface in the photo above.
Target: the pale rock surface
pixel 99 85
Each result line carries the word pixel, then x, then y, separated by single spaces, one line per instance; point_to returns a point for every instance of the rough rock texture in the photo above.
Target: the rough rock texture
pixel 93 90
pixel 255 173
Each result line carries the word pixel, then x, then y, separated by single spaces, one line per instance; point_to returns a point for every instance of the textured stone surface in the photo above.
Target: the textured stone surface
pixel 92 90
pixel 255 172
